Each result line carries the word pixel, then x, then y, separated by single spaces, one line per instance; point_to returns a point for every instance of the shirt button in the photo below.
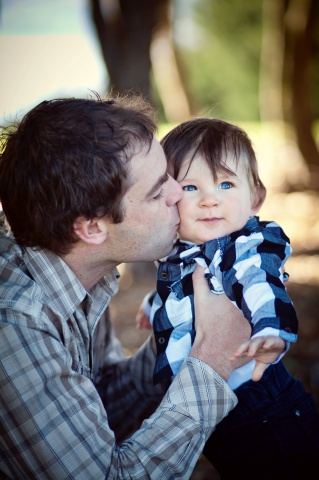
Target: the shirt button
pixel 161 340
pixel 164 275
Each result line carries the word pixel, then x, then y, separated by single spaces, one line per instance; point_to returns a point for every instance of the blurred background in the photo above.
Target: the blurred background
pixel 254 63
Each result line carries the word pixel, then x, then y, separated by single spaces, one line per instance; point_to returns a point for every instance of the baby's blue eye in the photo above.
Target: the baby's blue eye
pixel 225 185
pixel 189 188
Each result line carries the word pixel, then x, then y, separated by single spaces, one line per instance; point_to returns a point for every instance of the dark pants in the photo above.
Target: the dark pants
pixel 273 432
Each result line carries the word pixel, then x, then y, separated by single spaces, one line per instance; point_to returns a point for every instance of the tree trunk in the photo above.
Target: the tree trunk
pixel 271 61
pixel 167 74
pixel 125 32
pixel 301 22
pixel 287 73
pixel 129 32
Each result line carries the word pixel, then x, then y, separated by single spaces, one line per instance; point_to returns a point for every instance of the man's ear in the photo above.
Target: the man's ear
pixel 93 232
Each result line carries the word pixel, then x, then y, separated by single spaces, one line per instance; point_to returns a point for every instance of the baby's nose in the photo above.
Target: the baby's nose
pixel 209 200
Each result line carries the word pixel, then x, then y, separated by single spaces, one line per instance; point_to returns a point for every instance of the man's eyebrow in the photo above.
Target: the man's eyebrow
pixel 157 185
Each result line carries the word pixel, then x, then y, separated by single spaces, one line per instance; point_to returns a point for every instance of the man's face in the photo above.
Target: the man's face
pixel 151 218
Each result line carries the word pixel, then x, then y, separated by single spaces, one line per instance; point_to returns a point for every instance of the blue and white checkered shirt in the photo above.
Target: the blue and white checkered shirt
pixel 66 387
pixel 247 265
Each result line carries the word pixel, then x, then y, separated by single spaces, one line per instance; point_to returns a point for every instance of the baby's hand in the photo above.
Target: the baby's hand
pixel 264 350
pixel 142 320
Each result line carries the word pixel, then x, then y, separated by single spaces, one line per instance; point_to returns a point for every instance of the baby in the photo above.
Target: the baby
pixel 273 432
pixel 216 166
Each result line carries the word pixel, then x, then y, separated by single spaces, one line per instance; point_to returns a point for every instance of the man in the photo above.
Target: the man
pixel 84 187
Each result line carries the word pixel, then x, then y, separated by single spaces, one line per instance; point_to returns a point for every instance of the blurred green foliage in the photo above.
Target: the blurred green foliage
pixel 221 58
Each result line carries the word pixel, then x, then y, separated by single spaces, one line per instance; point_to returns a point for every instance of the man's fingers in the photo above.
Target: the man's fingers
pixel 220 327
pixel 200 283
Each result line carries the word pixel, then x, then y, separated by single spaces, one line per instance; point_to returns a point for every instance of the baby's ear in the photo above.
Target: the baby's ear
pixel 258 198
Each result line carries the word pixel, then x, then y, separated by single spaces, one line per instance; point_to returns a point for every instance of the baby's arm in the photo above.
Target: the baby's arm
pixel 255 282
pixel 142 319
pixel 264 349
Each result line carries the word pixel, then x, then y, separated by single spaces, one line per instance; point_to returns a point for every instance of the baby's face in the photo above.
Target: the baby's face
pixel 209 208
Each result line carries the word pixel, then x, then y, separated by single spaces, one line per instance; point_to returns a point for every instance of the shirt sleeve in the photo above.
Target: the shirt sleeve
pixel 54 424
pixel 252 275
pixel 127 391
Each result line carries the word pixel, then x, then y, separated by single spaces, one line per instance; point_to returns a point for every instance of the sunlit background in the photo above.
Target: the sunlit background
pixel 48 48
pixel 207 57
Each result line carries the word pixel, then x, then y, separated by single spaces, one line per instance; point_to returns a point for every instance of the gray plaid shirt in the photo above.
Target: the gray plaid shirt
pixel 62 369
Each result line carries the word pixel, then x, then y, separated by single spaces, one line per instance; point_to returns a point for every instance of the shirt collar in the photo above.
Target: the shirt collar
pixel 60 284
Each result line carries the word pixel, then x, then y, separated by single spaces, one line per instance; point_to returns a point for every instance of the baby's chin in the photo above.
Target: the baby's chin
pixel 198 240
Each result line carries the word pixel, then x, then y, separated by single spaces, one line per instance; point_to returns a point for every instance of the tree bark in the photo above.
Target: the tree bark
pixel 167 73
pixel 271 61
pixel 125 31
pixel 301 22
pixel 130 33
pixel 287 73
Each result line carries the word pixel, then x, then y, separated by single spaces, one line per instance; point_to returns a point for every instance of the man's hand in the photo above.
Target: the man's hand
pixel 220 328
pixel 264 350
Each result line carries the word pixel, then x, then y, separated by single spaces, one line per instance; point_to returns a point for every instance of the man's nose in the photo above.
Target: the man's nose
pixel 175 192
